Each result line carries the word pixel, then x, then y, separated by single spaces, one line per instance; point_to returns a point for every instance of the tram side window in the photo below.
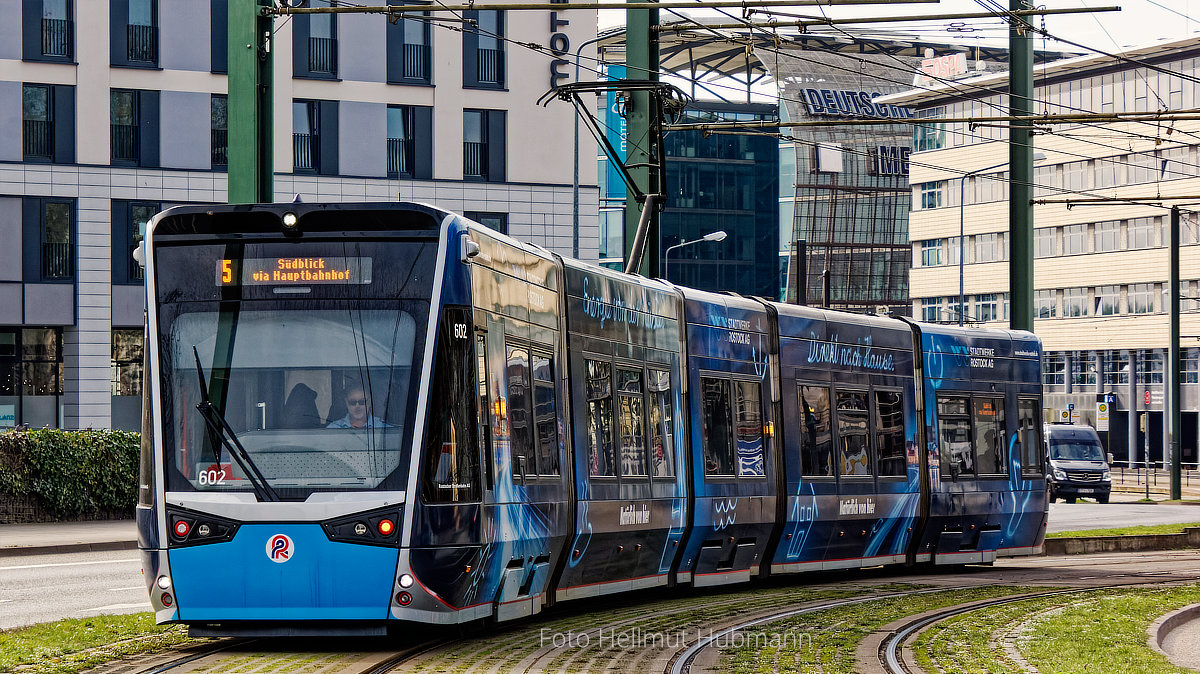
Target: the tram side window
pixel 1028 419
pixel 520 430
pixel 889 433
pixel 715 417
pixel 954 437
pixel 452 470
pixel 632 424
pixel 598 393
pixel 661 424
pixel 484 407
pixel 545 417
pixel 816 433
pixel 853 418
pixel 749 428
pixel 990 451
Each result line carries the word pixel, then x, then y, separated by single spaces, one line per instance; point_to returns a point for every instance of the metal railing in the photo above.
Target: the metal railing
pixel 398 162
pixel 38 139
pixel 56 37
pixel 304 156
pixel 125 142
pixel 416 61
pixel 220 147
pixel 142 43
pixel 474 160
pixel 322 55
pixel 56 260
pixel 490 65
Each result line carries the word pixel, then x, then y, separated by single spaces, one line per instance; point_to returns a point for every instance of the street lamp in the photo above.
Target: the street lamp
pixel 962 201
pixel 718 235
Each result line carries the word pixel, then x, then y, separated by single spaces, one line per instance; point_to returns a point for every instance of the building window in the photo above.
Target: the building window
pixel 1108 300
pixel 48 123
pixel 929 195
pixel 1045 303
pixel 1141 298
pixel 988 247
pixel 1083 373
pixel 409 141
pixel 496 221
pixel 31 377
pixel 314 137
pixel 1075 176
pixel 127 362
pixel 1150 367
pixel 219 37
pixel 483 145
pixel 1141 233
pixel 1116 367
pixel 1045 181
pixel 134 33
pixel 991 187
pixel 1074 242
pixel 1141 167
pixel 1054 368
pixel 219 129
pixel 930 136
pixel 314 43
pixel 134 117
pixel 129 219
pixel 1109 172
pixel 931 309
pixel 1108 236
pixel 483 50
pixel 986 307
pixel 954 249
pixel 48 31
pixel 1075 302
pixel 1189 371
pixel 931 252
pixel 408 49
pixel 1044 244
pixel 49 236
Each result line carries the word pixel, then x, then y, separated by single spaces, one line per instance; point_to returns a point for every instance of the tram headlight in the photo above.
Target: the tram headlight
pixel 406 580
pixel 163 582
pixel 289 220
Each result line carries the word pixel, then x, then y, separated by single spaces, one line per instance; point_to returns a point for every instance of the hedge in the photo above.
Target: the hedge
pixel 71 474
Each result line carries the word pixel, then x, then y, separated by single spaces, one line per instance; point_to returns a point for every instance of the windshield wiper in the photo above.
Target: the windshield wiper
pixel 222 434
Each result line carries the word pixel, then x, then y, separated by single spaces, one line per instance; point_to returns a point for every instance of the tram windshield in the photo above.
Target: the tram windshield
pixel 315 381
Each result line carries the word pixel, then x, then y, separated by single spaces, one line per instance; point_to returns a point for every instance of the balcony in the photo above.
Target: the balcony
pixel 220 147
pixel 125 143
pixel 56 38
pixel 141 43
pixel 38 139
pixel 304 152
pixel 474 160
pixel 398 162
pixel 56 260
pixel 416 62
pixel 322 55
pixel 490 64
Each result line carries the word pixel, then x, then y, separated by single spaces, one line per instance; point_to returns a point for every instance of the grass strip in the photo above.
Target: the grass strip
pixel 78 644
pixel 1126 531
pixel 1102 631
pixel 825 641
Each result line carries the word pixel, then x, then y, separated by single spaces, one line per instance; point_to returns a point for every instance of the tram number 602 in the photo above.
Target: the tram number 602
pixel 216 477
pixel 460 330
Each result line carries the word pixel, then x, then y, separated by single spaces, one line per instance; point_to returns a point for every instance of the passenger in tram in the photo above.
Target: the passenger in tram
pixel 358 406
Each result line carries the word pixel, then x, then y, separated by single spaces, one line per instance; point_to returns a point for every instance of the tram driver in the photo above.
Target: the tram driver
pixel 358 406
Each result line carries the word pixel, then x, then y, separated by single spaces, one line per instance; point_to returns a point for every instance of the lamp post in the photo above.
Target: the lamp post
pixel 962 201
pixel 718 235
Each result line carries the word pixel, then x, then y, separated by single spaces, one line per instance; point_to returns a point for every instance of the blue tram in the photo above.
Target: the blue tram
pixel 359 415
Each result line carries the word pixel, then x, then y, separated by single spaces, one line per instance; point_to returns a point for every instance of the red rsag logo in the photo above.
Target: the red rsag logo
pixel 280 548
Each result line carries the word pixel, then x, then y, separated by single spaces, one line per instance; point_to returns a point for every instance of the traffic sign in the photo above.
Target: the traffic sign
pixel 1110 398
pixel 1146 397
pixel 1102 416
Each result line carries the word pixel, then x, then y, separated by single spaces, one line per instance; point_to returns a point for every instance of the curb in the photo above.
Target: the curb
pixel 1190 538
pixel 104 546
pixel 1160 629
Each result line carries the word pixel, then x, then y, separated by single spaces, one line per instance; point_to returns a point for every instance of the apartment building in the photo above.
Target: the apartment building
pixel 111 110
pixel 1101 270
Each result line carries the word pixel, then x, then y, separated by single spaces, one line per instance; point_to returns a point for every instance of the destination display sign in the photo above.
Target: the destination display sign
pixel 283 271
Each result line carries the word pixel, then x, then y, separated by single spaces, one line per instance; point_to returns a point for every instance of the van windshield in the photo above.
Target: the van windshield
pixel 1075 450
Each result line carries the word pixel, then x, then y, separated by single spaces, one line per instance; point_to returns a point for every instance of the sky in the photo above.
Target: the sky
pixel 1139 22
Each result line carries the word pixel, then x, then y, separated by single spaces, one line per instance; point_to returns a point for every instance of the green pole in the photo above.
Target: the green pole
pixel 1020 157
pixel 1174 420
pixel 641 62
pixel 250 110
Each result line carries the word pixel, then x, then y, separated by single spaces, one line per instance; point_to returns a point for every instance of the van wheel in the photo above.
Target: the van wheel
pixel 1103 498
